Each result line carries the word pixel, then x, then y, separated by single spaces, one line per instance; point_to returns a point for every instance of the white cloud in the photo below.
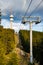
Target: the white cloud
pixel 15 26
pixel 18 5
pixel 5 23
pixel 19 26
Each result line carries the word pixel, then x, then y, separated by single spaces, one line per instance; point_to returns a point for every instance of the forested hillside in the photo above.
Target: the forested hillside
pixel 37 42
pixel 7 44
pixel 15 48
pixel 36 36
pixel 10 52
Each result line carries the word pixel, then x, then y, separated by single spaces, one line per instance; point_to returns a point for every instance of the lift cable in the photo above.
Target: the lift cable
pixel 36 8
pixel 28 8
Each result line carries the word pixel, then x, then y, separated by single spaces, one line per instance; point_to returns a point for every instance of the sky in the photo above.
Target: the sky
pixel 18 9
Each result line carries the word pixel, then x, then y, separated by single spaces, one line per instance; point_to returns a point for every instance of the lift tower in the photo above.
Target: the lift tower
pixel 36 20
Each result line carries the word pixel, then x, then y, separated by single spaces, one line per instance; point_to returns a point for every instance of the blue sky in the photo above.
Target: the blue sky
pixel 18 9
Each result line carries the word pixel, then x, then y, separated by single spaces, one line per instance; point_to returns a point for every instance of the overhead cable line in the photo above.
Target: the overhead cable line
pixel 28 8
pixel 36 8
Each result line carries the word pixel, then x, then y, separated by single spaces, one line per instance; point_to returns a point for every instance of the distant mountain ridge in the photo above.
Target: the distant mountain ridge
pixel 24 35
